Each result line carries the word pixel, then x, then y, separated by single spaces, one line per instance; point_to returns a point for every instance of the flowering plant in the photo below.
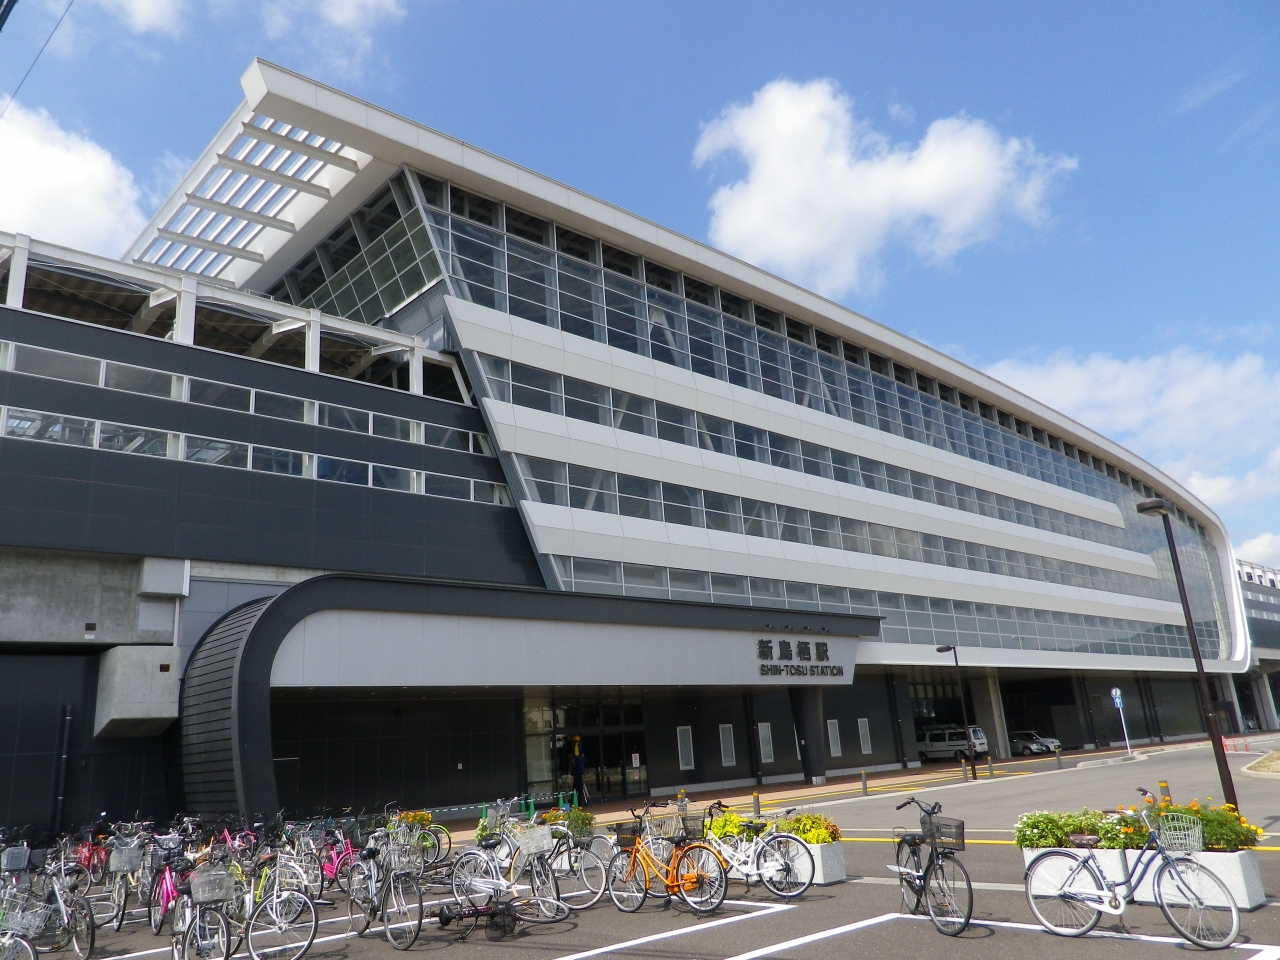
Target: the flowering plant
pixel 811 828
pixel 1223 826
pixel 418 818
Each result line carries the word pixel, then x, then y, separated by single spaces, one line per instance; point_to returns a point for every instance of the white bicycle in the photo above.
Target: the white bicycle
pixel 764 854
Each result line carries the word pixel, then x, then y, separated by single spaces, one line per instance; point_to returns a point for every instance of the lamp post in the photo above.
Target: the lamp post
pixel 964 710
pixel 1159 507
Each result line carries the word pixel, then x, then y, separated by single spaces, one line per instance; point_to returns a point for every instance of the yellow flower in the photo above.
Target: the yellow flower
pixel 1149 799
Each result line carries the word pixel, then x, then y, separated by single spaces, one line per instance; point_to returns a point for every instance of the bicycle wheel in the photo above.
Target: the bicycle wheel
pixel 341 870
pixel 81 928
pixel 949 895
pixel 1066 914
pixel 702 880
pixel 910 874
pixel 1197 904
pixel 119 899
pixel 627 881
pixel 14 947
pixel 359 900
pixel 98 867
pixel 475 879
pixel 542 880
pixel 663 851
pixel 785 865
pixel 444 841
pixel 580 877
pixel 155 906
pixel 208 936
pixel 603 847
pixel 402 910
pixel 539 910
pixel 283 927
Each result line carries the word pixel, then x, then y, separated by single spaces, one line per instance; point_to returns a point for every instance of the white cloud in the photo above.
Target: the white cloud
pixel 824 193
pixel 147 16
pixel 1263 549
pixel 342 29
pixel 63 188
pixel 1212 424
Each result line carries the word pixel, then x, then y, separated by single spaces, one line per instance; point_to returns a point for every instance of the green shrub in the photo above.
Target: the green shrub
pixel 726 825
pixel 811 828
pixel 1224 828
pixel 580 821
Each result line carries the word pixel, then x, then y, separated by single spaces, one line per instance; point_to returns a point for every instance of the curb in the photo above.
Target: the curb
pixel 1260 774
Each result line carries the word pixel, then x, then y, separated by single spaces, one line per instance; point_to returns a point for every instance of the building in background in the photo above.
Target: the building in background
pixel 379 467
pixel 1259 690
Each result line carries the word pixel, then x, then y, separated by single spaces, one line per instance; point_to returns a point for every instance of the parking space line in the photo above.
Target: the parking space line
pixel 653 937
pixel 812 937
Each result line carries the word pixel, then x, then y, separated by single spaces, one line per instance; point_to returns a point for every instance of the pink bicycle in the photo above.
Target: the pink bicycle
pixel 165 893
pixel 336 854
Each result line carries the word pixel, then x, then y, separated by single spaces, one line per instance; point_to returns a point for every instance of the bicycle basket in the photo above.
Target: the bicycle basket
pixel 212 885
pixel 15 858
pixel 669 826
pixel 535 840
pixel 693 827
pixel 627 833
pixel 1178 831
pixel 125 859
pixel 943 832
pixel 26 915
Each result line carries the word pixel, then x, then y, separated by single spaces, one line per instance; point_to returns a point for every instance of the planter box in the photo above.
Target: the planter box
pixel 1239 871
pixel 828 863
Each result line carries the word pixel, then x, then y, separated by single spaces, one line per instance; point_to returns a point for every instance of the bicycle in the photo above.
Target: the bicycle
pixel 277 921
pixel 780 861
pixel 1068 892
pixel 693 869
pixel 165 894
pixel 579 873
pixel 393 896
pixel 125 868
pixel 941 882
pixel 511 849
pixel 14 946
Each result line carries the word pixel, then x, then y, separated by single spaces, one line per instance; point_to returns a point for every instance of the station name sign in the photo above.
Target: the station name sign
pixel 796 658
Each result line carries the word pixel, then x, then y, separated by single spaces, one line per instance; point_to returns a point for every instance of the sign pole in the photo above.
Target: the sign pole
pixel 1118 699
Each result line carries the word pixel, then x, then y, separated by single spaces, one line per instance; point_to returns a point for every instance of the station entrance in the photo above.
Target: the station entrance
pixel 607 732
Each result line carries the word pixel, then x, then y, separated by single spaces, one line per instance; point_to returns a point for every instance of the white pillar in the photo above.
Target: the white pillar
pixel 1267 702
pixel 18 272
pixel 184 323
pixel 415 371
pixel 1228 680
pixel 312 361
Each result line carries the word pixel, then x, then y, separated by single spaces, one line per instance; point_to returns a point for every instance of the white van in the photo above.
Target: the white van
pixel 948 743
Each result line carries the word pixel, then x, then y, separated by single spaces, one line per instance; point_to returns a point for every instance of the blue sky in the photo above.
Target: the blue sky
pixel 1115 249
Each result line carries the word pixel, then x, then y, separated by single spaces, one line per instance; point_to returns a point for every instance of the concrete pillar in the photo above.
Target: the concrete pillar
pixel 184 323
pixel 806 714
pixel 1228 680
pixel 18 272
pixel 1266 702
pixel 988 709
pixel 312 360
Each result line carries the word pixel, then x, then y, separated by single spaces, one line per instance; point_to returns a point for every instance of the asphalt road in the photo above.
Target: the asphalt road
pixel 861 915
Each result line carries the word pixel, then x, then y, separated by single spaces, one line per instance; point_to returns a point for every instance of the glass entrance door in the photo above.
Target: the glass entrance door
pixel 608 732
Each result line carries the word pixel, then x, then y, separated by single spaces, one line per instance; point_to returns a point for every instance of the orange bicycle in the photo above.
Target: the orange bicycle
pixel 665 852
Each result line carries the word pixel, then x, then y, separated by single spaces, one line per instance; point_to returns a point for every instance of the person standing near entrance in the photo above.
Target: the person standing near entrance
pixel 579 772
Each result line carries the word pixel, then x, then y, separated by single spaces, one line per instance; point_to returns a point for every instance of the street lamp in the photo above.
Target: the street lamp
pixel 1159 507
pixel 964 710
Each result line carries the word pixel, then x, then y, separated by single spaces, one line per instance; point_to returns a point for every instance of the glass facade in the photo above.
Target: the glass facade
pixel 603 491
pixel 382 277
pixel 930 621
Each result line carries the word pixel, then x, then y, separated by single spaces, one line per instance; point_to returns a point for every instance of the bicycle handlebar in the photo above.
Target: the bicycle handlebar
pixel 932 809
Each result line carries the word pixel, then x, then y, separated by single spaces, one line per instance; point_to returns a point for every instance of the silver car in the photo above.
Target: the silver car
pixel 1029 743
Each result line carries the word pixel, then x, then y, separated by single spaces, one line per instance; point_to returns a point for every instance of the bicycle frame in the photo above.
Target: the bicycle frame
pixel 1115 905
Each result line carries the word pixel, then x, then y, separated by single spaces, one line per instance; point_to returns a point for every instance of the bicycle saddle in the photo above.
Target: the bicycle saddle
pixel 267 857
pixel 912 837
pixel 184 886
pixel 488 843
pixel 1086 840
pixel 369 853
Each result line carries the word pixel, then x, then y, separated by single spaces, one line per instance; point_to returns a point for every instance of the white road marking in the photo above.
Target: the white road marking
pixel 820 935
pixel 977 884
pixel 627 944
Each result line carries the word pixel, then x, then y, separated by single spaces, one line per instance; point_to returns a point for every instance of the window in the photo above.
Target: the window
pixel 727 756
pixel 766 742
pixel 343 418
pixel 59 366
pixel 126 439
pixel 31 425
pixel 121 376
pixel 275 405
pixel 342 471
pixel 287 462
pixel 833 738
pixel 220 452
pixel 684 746
pixel 392 428
pixel 864 734
pixel 222 395
pixel 393 478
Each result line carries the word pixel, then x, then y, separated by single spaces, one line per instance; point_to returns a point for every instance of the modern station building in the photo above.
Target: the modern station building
pixel 381 469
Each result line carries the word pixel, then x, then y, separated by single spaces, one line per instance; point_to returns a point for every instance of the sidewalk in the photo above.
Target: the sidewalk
pixel 777 797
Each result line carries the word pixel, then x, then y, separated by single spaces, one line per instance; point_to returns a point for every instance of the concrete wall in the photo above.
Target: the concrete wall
pixel 48 597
